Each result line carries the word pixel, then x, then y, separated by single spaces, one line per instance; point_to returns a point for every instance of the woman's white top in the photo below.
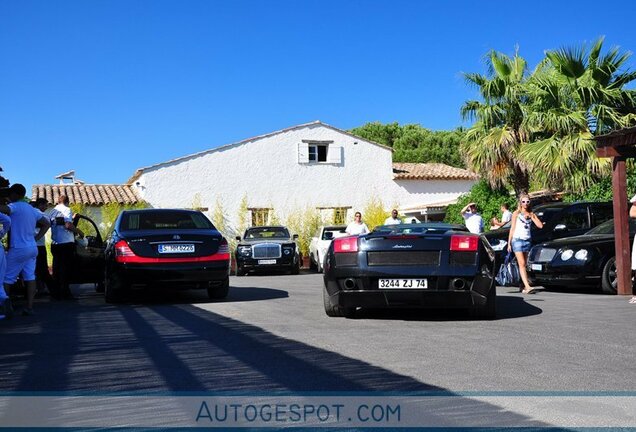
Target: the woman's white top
pixel 522 228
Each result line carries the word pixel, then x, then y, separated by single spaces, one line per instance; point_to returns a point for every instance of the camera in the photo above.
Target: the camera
pixel 4 188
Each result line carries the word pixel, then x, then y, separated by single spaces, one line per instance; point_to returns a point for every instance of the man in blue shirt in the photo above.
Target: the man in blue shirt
pixel 23 249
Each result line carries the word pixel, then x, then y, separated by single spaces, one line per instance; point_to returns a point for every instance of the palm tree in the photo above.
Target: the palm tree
pixel 492 144
pixel 574 94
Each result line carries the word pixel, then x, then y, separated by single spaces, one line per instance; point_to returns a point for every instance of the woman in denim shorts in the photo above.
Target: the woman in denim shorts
pixel 520 237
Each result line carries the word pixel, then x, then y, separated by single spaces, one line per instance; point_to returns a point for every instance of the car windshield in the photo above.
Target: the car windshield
pixel 266 232
pixel 160 220
pixel 607 227
pixel 335 233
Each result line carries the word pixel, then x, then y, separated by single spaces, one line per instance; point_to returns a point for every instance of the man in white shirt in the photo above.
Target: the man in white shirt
pixel 23 249
pixel 472 219
pixel 62 247
pixel 506 216
pixel 393 219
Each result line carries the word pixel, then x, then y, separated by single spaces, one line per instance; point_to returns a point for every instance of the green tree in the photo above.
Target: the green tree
pixel 492 144
pixel 413 143
pixel 576 93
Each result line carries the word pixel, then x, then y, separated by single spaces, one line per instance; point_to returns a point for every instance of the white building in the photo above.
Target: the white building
pixel 310 166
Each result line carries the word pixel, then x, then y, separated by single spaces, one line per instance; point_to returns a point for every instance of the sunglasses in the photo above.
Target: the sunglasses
pixel 525 202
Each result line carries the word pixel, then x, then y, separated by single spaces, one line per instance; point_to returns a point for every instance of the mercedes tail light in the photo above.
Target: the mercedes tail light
pixel 224 248
pixel 464 243
pixel 345 244
pixel 123 253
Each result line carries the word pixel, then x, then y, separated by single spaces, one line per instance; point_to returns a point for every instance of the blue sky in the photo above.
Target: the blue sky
pixel 106 87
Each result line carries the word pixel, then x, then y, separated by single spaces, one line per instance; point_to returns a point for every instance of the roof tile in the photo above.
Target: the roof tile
pixel 87 194
pixel 430 171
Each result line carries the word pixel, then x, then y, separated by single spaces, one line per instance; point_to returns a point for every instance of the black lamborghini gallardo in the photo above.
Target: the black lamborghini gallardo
pixel 427 265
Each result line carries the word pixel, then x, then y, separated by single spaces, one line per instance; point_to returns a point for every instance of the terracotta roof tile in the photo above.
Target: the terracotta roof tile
pixel 430 171
pixel 87 194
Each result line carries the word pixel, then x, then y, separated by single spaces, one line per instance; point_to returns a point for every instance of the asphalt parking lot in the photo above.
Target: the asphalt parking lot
pixel 271 333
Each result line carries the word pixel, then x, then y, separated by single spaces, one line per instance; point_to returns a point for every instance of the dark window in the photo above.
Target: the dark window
pixel 165 220
pixel 266 232
pixel 601 214
pixel 317 153
pixel 575 219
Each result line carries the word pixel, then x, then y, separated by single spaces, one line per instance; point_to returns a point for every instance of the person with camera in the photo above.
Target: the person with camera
pixel 520 237
pixel 473 220
pixel 23 250
pixel 63 247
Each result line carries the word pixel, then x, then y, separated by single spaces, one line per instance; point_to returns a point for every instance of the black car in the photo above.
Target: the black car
pixel 88 259
pixel 559 219
pixel 588 260
pixel 267 248
pixel 170 248
pixel 427 265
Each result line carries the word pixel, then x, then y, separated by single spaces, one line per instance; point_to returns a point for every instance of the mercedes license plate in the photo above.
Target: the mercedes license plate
pixel 267 261
pixel 402 283
pixel 176 248
pixel 536 267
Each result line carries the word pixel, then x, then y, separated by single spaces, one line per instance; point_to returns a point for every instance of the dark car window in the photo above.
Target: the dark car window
pixel 266 232
pixel 601 213
pixel 148 220
pixel 608 228
pixel 575 219
pixel 334 233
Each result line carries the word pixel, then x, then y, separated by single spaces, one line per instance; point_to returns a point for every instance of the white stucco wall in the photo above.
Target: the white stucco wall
pixel 267 171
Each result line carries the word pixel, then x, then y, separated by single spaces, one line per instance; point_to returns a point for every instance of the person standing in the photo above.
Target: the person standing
pixel 44 280
pixel 520 237
pixel 473 220
pixel 393 219
pixel 357 227
pixel 23 249
pixel 63 247
pixel 506 216
pixel 632 214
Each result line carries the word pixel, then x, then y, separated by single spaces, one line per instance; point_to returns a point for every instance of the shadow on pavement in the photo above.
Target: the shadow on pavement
pixel 507 307
pixel 94 347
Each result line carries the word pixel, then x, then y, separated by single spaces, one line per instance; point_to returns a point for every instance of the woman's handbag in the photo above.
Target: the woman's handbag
pixel 508 274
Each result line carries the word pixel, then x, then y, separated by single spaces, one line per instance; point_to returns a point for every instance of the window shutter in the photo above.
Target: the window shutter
pixel 303 153
pixel 334 155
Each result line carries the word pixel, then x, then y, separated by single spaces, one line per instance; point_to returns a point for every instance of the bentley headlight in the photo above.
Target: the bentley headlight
pixel 499 245
pixel 581 255
pixel 245 250
pixel 567 254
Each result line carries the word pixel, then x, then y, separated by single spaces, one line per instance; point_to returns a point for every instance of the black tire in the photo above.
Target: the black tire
pixel 295 268
pixel 240 271
pixel 486 311
pixel 609 279
pixel 114 288
pixel 333 310
pixel 100 287
pixel 312 264
pixel 220 291
pixel 319 265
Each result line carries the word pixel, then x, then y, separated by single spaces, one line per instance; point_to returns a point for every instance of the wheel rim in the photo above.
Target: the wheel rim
pixel 611 276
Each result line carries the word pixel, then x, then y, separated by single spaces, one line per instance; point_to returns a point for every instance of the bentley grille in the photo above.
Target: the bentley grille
pixel 266 250
pixel 542 254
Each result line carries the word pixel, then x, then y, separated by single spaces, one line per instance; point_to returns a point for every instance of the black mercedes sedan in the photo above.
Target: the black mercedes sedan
pixel 587 260
pixel 173 248
pixel 428 265
pixel 267 248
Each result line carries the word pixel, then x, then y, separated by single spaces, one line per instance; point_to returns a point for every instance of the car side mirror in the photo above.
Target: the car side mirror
pixel 328 235
pixel 238 238
pixel 560 227
pixel 295 236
